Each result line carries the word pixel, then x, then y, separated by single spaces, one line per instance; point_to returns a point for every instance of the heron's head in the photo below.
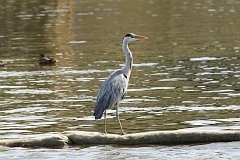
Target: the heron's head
pixel 134 37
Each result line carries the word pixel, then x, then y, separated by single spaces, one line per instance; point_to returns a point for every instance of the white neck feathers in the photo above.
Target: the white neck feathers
pixel 129 58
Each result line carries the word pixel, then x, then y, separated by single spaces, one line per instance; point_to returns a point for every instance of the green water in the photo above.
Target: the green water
pixel 186 76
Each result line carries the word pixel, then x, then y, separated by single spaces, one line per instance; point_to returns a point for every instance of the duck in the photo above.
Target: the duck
pixel 43 60
pixel 2 64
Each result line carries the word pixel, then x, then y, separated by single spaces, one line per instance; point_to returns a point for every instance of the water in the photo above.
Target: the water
pixel 186 76
pixel 216 151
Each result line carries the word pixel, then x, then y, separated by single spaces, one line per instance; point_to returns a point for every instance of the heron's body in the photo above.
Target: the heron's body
pixel 111 92
pixel 114 88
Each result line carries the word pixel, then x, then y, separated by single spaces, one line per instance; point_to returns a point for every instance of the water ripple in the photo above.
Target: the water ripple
pixel 29 91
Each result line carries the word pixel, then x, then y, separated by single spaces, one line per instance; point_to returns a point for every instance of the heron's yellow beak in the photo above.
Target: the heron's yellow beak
pixel 138 37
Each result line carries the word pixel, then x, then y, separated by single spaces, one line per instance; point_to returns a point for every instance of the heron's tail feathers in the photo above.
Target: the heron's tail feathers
pixel 98 112
pixel 98 115
pixel 103 103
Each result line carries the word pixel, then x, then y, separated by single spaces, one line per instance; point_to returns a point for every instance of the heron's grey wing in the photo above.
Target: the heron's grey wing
pixel 111 92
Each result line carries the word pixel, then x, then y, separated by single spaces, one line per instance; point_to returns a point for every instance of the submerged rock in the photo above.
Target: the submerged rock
pixel 46 142
pixel 95 138
pixel 154 137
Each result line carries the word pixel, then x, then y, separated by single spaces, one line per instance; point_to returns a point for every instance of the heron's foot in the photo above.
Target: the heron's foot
pixel 105 133
pixel 123 133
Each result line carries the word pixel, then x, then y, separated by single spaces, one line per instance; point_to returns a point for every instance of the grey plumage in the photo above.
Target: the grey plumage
pixel 111 92
pixel 113 89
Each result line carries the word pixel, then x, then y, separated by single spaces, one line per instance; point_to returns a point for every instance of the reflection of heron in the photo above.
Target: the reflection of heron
pixel 43 60
pixel 113 89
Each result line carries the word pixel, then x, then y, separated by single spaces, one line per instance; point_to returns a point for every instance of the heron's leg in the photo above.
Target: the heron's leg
pixel 105 122
pixel 119 120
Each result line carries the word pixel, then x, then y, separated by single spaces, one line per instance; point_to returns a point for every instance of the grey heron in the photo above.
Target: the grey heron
pixel 43 60
pixel 114 87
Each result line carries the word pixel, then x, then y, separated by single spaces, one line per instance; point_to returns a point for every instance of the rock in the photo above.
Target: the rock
pixel 178 137
pixel 48 142
pixel 154 137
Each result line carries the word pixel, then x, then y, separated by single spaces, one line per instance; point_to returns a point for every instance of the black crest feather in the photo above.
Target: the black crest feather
pixel 129 35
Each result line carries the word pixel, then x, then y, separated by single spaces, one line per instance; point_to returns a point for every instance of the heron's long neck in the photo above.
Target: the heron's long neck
pixel 129 58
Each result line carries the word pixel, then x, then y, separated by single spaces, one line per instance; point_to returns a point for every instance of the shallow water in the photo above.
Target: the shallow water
pixel 215 151
pixel 186 76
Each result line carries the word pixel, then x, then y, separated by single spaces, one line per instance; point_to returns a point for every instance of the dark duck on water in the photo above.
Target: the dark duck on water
pixel 2 64
pixel 43 60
